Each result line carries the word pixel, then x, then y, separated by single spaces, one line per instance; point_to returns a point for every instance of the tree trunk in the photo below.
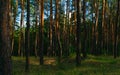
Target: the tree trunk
pixel 93 41
pixel 116 30
pixel 57 31
pixel 96 25
pixel 5 44
pixel 103 25
pixel 78 57
pixel 27 34
pixel 50 29
pixel 68 28
pixel 85 31
pixel 21 36
pixel 41 32
pixel 14 23
pixel 36 37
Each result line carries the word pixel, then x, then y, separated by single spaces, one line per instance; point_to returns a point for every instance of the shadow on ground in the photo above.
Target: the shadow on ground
pixel 90 66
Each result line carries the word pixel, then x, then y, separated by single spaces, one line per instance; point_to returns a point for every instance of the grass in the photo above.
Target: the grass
pixel 100 65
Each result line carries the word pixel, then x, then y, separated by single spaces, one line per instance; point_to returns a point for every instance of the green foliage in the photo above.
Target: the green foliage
pixel 63 19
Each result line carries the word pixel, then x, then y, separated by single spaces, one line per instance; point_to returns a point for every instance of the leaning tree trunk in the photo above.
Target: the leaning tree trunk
pixel 5 44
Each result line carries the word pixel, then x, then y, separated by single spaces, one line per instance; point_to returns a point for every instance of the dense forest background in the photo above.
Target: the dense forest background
pixel 58 28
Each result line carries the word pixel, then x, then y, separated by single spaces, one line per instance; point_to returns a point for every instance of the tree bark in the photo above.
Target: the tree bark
pixel 116 30
pixel 50 29
pixel 41 32
pixel 85 31
pixel 27 34
pixel 5 44
pixel 58 32
pixel 103 25
pixel 78 51
pixel 14 23
pixel 96 26
pixel 21 36
pixel 36 37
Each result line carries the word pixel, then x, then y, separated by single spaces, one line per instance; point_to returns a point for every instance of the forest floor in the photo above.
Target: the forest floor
pixel 93 65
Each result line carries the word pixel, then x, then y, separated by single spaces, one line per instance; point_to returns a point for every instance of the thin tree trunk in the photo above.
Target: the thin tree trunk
pixel 14 23
pixel 103 24
pixel 96 24
pixel 93 48
pixel 64 34
pixel 50 29
pixel 36 29
pixel 75 21
pixel 41 32
pixel 21 36
pixel 78 57
pixel 57 31
pixel 85 31
pixel 68 28
pixel 27 33
pixel 108 29
pixel 116 30
pixel 105 29
pixel 36 37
